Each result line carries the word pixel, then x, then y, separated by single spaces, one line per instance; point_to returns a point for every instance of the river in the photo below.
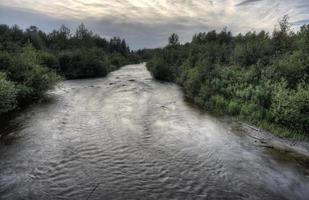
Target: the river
pixel 127 136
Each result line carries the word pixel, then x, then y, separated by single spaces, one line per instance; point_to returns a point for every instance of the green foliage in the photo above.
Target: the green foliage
pixel 83 63
pixel 282 40
pixel 173 40
pixel 41 79
pixel 192 82
pixel 48 60
pixel 31 58
pixel 7 94
pixel 28 74
pixel 117 60
pixel 252 49
pixel 291 107
pixel 252 112
pixel 159 69
pixel 218 102
pixel 234 107
pixel 36 76
pixel 24 94
pixel 261 78
pixel 293 67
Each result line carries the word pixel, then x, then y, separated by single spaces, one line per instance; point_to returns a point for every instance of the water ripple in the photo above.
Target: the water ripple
pixel 129 137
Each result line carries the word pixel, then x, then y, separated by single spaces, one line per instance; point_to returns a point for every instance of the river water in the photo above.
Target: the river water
pixel 128 136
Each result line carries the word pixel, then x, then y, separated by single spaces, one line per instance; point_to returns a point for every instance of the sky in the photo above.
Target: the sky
pixel 148 23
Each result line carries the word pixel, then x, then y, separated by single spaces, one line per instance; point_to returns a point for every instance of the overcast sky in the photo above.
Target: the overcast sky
pixel 148 23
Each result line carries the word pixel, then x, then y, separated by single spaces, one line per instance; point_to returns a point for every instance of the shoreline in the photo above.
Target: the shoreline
pixel 268 140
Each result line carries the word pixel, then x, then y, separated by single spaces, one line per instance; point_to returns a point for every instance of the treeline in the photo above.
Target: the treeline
pixel 261 77
pixel 32 61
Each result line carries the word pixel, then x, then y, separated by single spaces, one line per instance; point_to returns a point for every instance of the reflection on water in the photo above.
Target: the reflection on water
pixel 129 137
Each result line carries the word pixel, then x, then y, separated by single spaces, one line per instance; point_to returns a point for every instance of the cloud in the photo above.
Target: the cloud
pixel 247 2
pixel 148 23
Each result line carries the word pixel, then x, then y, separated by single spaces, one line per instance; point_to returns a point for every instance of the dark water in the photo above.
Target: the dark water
pixel 129 137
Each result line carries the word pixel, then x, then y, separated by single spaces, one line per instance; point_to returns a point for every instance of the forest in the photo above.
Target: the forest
pixel 261 78
pixel 31 61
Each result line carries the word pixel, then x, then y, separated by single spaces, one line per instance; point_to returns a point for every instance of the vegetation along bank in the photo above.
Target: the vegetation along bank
pixel 260 77
pixel 31 61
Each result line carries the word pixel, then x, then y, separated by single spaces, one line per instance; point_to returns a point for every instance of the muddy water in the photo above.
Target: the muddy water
pixel 127 136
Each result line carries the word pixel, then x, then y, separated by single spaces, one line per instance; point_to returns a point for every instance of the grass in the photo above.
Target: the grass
pixel 283 132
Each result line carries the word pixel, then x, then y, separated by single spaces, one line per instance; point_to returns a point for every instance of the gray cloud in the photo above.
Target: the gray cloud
pixel 247 2
pixel 147 23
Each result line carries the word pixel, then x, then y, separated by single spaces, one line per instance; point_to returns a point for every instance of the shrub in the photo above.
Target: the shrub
pixel 24 94
pixel 160 69
pixel 48 60
pixel 290 108
pixel 28 60
pixel 41 79
pixel 83 63
pixel 192 83
pixel 252 112
pixel 258 76
pixel 218 102
pixel 234 107
pixel 7 94
pixel 117 60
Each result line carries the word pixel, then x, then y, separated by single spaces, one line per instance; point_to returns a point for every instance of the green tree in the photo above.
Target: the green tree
pixel 173 40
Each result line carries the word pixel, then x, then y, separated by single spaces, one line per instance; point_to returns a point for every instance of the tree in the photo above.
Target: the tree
pixel 35 36
pixel 285 26
pixel 173 40
pixel 281 38
pixel 82 33
pixel 59 39
pixel 16 33
pixel 30 59
pixel 304 36
pixel 124 48
pixel 115 45
pixel 65 32
pixel 258 77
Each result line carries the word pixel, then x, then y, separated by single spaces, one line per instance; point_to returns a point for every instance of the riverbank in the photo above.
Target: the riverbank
pixel 21 104
pixel 140 140
pixel 259 77
pixel 294 146
pixel 269 140
pixel 33 62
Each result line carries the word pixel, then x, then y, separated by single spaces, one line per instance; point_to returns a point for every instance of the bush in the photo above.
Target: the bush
pixel 24 94
pixel 117 60
pixel 83 63
pixel 218 102
pixel 261 77
pixel 293 67
pixel 160 69
pixel 192 83
pixel 234 107
pixel 251 111
pixel 290 108
pixel 37 78
pixel 30 58
pixel 48 60
pixel 7 94
pixel 41 79
pixel 28 77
